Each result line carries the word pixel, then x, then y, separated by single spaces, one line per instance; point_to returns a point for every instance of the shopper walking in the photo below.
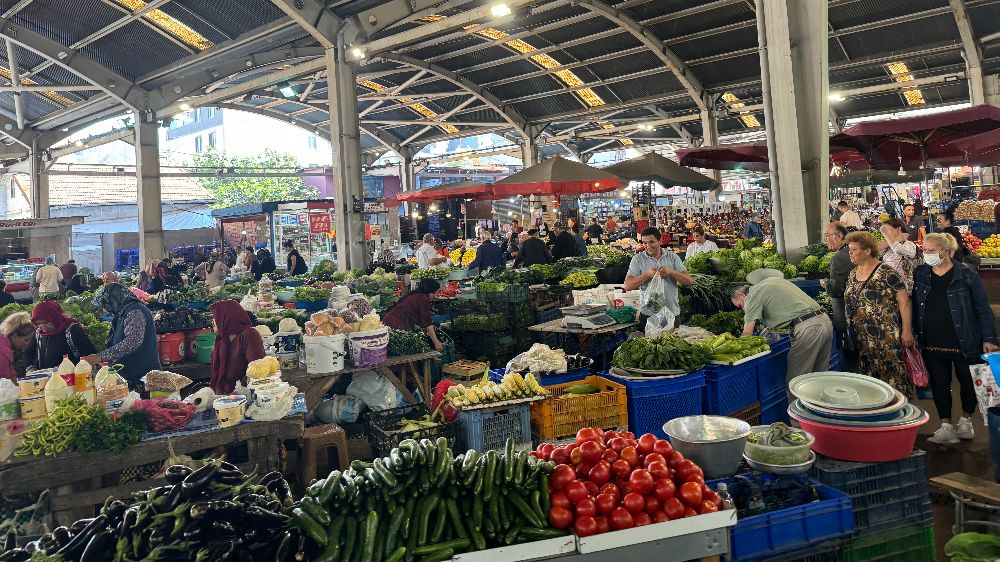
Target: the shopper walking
pixel 56 335
pixel 48 278
pixel 900 253
pixel 835 285
pixel 488 254
pixel 954 325
pixel 650 263
pixel 563 243
pixel 943 223
pixel 878 312
pixel 263 264
pixel 775 302
pixel 532 251
pixel 581 244
pixel 700 245
pixel 915 228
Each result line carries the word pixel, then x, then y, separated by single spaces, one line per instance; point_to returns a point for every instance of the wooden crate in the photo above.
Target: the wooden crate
pixel 465 371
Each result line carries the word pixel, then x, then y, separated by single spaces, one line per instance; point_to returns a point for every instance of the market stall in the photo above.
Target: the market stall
pixel 308 224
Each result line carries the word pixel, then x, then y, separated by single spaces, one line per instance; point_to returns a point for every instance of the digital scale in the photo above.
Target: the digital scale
pixel 586 316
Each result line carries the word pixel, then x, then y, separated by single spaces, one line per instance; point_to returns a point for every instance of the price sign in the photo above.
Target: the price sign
pixel 319 222
pixel 374 207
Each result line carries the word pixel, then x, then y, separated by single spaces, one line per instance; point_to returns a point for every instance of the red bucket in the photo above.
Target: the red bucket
pixel 171 347
pixel 190 351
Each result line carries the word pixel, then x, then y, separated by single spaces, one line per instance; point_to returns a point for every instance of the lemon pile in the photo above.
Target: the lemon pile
pixel 990 247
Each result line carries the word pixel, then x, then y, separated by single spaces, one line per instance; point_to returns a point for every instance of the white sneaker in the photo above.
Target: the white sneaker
pixel 944 436
pixel 964 428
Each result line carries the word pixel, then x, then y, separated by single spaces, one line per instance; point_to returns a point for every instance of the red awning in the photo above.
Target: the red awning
pixel 558 176
pixel 458 190
pixel 751 157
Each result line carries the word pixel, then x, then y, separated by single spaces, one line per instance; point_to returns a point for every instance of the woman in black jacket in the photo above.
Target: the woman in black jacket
pixel 954 324
pixel 264 263
pixel 56 335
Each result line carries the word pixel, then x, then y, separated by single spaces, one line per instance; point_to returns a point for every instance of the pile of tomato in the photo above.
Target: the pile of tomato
pixel 607 481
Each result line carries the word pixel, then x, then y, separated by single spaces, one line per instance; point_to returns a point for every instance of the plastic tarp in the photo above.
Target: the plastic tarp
pixel 176 219
pixel 666 172
pixel 557 176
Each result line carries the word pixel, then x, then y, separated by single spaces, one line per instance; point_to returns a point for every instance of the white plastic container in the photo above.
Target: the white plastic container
pixel 325 354
pixel 56 389
pixel 229 410
pixel 66 371
pixel 83 375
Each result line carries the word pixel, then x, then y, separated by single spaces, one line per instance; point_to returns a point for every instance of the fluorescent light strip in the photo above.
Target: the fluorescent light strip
pixel 169 24
pixel 734 102
pixel 60 99
pixel 418 107
pixel 901 73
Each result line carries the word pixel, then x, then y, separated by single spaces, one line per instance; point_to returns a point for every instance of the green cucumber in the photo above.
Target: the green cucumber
pixel 456 544
pixel 397 555
pixel 456 518
pixel 439 555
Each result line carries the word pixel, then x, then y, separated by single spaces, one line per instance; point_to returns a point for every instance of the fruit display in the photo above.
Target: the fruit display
pixel 424 502
pixel 609 481
pixel 971 241
pixel 727 348
pixel 976 210
pixel 990 247
pixel 580 279
pixel 436 273
pixel 662 353
pixel 720 322
pixel 486 393
pixel 463 256
pixel 213 513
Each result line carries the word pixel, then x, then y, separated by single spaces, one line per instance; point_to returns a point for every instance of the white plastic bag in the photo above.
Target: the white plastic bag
pixel 249 302
pixel 539 357
pixel 655 295
pixel 375 391
pixel 987 391
pixel 340 409
pixel 662 321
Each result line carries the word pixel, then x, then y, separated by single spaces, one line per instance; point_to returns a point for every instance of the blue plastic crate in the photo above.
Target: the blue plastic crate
pixel 484 430
pixel 772 369
pixel 730 388
pixel 898 506
pixel 774 407
pixel 543 316
pixel 828 551
pixel 783 532
pixel 810 287
pixel 857 478
pixel 652 403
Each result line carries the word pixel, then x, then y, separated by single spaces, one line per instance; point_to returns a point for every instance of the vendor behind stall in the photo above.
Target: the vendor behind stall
pixel 414 311
pixel 295 264
pixel 132 339
pixel 264 263
pixel 56 335
pixel 16 333
pixel 237 343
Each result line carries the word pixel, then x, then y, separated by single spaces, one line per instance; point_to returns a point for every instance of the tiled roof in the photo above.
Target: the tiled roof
pixel 67 190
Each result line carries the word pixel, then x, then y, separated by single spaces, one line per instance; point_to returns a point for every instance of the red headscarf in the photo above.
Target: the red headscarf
pixel 50 311
pixel 230 358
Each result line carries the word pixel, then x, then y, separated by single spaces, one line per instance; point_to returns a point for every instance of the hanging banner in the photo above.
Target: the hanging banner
pixel 319 222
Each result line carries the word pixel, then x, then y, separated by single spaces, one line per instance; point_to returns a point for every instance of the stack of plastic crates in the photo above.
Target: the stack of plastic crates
pixel 771 385
pixel 490 428
pixel 729 388
pixel 547 315
pixel 893 516
pixel 564 414
pixel 652 403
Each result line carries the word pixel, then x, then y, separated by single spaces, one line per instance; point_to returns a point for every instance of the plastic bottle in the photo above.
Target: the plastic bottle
pixel 103 373
pixel 727 498
pixel 56 389
pixel 84 372
pixel 66 371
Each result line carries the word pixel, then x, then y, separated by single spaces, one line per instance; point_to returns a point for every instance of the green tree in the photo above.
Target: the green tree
pixel 241 191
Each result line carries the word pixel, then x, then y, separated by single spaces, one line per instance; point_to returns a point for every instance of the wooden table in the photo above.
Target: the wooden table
pixel 415 367
pixel 75 479
pixel 601 334
pixel 970 491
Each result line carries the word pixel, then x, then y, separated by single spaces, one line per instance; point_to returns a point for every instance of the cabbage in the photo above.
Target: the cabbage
pixel 790 271
pixel 810 264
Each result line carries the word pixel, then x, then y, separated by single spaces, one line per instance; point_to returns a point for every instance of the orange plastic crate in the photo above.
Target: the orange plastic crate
pixel 564 414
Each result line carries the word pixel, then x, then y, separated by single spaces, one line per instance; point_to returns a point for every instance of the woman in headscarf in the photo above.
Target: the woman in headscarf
pixel 16 333
pixel 263 264
pixel 237 343
pixel 147 275
pixel 132 339
pixel 213 272
pixel 56 335
pixel 108 277
pixel 81 281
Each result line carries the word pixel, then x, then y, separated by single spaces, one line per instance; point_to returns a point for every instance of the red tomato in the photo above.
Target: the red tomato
pixel 687 468
pixel 560 499
pixel 585 525
pixel 611 488
pixel 646 443
pixel 664 489
pixel 591 451
pixel 673 508
pixel 546 450
pixel 641 481
pixel 690 493
pixel 560 517
pixel 559 455
pixel 585 506
pixel 629 455
pixel 538 449
pixel 600 473
pixel 621 468
pixel 708 506
pixel 606 503
pixel 621 519
pixel 587 434
pixel 563 474
pixel 711 495
pixel 674 458
pixel 660 517
pixel 575 456
pixel 642 519
pixel 582 470
pixel 535 454
pixel 663 447
pixel 623 487
pixel 633 502
pixel 627 435
pixel 592 489
pixel 609 435
pixel 659 470
pixel 651 458
pixel 697 478
pixel 617 444
pixel 603 525
pixel 610 455
pixel 688 512
pixel 576 491
pixel 652 505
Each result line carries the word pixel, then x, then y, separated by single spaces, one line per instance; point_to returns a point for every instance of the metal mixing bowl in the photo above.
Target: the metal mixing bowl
pixel 715 443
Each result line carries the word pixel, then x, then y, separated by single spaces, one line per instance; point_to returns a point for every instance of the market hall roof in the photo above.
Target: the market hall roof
pixel 580 75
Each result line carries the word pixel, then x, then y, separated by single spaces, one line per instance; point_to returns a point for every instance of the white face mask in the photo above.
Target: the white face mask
pixel 932 260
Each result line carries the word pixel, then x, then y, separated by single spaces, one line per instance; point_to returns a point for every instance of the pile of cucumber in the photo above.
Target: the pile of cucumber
pixel 421 502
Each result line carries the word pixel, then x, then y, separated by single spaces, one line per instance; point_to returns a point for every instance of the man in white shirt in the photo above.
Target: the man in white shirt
pixel 427 256
pixel 700 244
pixel 848 218
pixel 48 277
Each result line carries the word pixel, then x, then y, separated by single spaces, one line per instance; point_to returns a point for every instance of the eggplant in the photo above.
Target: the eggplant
pixel 79 541
pixel 259 517
pixel 61 535
pixel 176 474
pixel 195 483
pixel 100 548
pixel 15 555
pixel 79 525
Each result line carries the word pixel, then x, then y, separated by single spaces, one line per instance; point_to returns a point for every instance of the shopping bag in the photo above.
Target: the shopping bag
pixel 662 321
pixel 915 366
pixel 655 295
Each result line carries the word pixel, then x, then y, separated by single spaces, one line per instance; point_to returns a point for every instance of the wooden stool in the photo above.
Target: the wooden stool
pixel 969 491
pixel 320 438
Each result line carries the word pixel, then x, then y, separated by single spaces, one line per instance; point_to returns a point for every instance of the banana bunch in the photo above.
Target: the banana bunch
pixel 512 387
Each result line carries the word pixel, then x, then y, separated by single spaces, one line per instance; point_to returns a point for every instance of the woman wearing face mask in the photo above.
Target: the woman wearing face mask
pixel 954 324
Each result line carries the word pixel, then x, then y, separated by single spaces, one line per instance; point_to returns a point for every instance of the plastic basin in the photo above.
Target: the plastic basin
pixel 715 443
pixel 862 444
pixel 289 283
pixel 783 456
pixel 284 296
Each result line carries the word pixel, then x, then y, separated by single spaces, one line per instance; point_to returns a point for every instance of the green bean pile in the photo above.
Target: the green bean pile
pixel 53 434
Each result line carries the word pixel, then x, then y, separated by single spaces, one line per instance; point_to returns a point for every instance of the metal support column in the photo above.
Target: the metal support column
pixel 147 174
pixel 790 90
pixel 409 180
pixel 991 87
pixel 529 156
pixel 39 184
pixel 710 137
pixel 345 140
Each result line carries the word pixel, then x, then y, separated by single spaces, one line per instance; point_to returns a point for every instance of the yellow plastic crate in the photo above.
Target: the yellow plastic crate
pixel 564 414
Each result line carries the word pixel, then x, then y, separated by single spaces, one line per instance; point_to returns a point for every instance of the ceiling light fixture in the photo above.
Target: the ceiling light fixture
pixel 357 53
pixel 500 10
pixel 185 106
pixel 837 96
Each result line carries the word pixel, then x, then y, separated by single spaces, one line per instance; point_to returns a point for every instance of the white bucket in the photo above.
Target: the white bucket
pixel 369 348
pixel 289 360
pixel 325 354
